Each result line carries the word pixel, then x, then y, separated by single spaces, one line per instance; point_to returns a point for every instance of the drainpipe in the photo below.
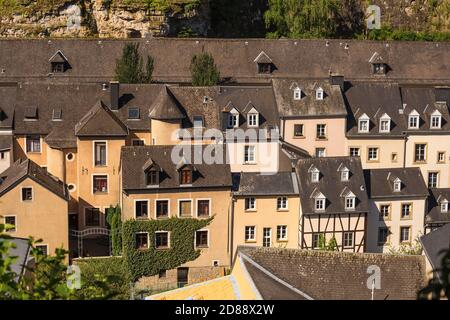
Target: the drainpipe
pixel 230 250
pixel 404 150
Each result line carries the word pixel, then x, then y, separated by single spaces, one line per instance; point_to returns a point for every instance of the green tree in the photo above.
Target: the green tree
pixel 114 220
pixel 331 245
pixel 46 278
pixel 438 288
pixel 204 72
pixel 130 66
pixel 302 18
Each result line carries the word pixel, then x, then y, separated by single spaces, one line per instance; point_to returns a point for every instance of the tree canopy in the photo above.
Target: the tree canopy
pixel 130 66
pixel 204 72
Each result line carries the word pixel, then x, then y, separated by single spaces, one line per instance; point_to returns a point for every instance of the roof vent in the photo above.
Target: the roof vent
pixel 327 43
pixel 104 86
pixel 246 43
pixel 346 46
pixel 3 71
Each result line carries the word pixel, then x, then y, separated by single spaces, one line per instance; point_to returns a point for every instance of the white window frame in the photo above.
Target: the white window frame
pixel 209 207
pixel 286 203
pixel 315 175
pixel 148 208
pixel 297 94
pixel 43 245
pixel 254 204
pixel 352 201
pixel 409 234
pixel 444 206
pixel 233 120
pixel 437 117
pixel 245 234
pixel 368 154
pixel 148 240
pixel 253 119
pixel 249 147
pixel 344 239
pixel 26 144
pixel 317 201
pixel 397 186
pixel 285 238
pixel 319 94
pixel 93 153
pixel 269 237
pixel 192 208
pixel 436 173
pixel 195 239
pixel 156 207
pixel 168 240
pixel 364 119
pixel 321 152
pixel 416 119
pixel 387 128
pixel 350 151
pixel 345 175
pixel 92 184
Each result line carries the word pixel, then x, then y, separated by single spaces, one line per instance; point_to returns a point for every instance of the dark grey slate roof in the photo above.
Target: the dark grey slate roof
pixel 435 244
pixel 325 275
pixel 434 209
pixel 22 253
pixel 423 100
pixel 7 102
pixel 100 121
pixel 22 169
pixel 205 175
pixel 380 183
pixel 332 104
pixel 374 100
pixel 330 184
pixel 260 184
pixel 165 107
pixel 94 59
pixel 6 142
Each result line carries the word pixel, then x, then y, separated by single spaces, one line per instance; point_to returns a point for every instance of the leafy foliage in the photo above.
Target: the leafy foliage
pixel 388 33
pixel 46 277
pixel 414 248
pixel 301 18
pixel 438 287
pixel 204 72
pixel 114 220
pixel 129 68
pixel 150 261
pixel 331 245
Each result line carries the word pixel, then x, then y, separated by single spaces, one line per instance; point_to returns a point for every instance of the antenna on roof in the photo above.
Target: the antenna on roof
pixel 389 175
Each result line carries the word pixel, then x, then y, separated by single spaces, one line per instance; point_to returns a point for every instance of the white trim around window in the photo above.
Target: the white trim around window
pixel 148 208
pixel 195 238
pixel 254 204
pixel 93 152
pixel 32 193
pixel 44 245
pixel 156 206
pixel 168 240
pixel 286 207
pixel 209 206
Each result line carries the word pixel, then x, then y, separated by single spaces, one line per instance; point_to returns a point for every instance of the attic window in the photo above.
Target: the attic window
pixel 345 174
pixel 58 67
pixel 264 63
pixel 315 175
pixel 363 124
pixel 413 120
pixel 436 119
pixel 57 114
pixel 133 113
pixel 319 202
pixel 379 68
pixel 186 176
pixel 233 120
pixel 350 202
pixel 385 123
pixel 31 113
pixel 397 185
pixel 297 93
pixel 58 62
pixel 2 115
pixel 252 119
pixel 444 206
pixel 319 94
pixel 198 121
pixel 152 177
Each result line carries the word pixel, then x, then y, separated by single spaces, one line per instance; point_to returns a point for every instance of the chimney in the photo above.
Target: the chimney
pixel 337 80
pixel 114 95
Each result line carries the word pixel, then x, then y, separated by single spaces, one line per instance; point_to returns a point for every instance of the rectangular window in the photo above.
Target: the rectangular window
pixel 282 203
pixel 152 177
pixel 383 236
pixel 141 240
pixel 2 155
pixel 321 131
pixel 92 217
pixel 348 239
pixel 267 237
pixel 100 184
pixel 320 152
pixel 264 68
pixel 363 126
pixel 57 67
pixel 406 211
pixel 433 179
pixel 298 130
pixel 385 125
pixel 141 209
pixel 413 122
pixel 162 208
pixel 250 233
pixel 203 208
pixel 282 233
pixel 233 120
pixel 320 204
pixel 420 152
pixel 11 222
pixel 100 153
pixel 372 154
pixel 201 239
pixel 435 122
pixel 133 113
pixel 350 203
pixel 250 204
pixel 394 156
pixel 316 239
pixel 253 120
pixel 249 154
pixel 33 144
pixel 161 239
pixel 441 157
pixel 27 194
pixel 137 142
pixel 43 248
pixel 185 207
pixel 186 176
pixel 405 234
pixel 354 152
pixel 385 212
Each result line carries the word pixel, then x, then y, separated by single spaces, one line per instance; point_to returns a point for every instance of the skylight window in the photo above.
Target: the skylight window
pixel 133 113
pixel 57 114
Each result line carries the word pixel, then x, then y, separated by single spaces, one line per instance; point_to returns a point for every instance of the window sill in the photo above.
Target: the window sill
pixel 142 218
pixel 250 210
pixel 203 216
pixel 282 240
pixel 100 193
pixel 250 241
pixel 406 219
pixel 34 152
pixel 141 249
pixel 162 217
pixel 100 166
pixel 201 247
pixel 298 137
pixel 282 210
pixel 249 163
pixel 420 162
pixel 185 217
pixel 321 139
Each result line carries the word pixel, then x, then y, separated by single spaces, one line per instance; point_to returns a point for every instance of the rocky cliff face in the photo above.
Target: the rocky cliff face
pixel 104 18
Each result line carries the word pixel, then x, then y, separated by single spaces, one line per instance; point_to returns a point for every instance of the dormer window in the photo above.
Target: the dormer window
pixel 350 202
pixel 379 68
pixel 444 206
pixel 152 177
pixel 58 62
pixel 252 119
pixel 345 174
pixel 436 119
pixel 297 93
pixel 363 123
pixel 233 119
pixel 264 63
pixel 315 174
pixel 413 120
pixel 56 114
pixel 31 113
pixel 133 113
pixel 57 67
pixel 397 185
pixel 378 64
pixel 385 123
pixel 319 201
pixel 186 176
pixel 319 94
